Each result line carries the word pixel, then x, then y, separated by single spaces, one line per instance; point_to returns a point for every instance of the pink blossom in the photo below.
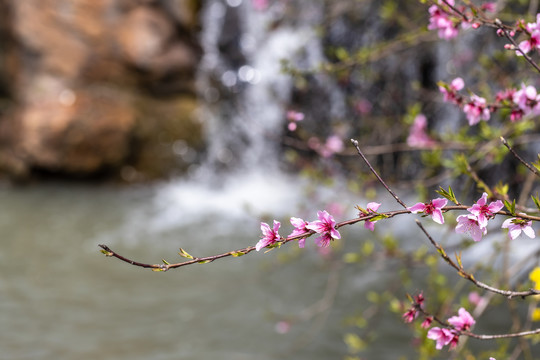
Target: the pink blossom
pixel 293 117
pixel 476 110
pixel 463 322
pixel 371 208
pixel 508 98
pixel 483 211
pixel 475 299
pixel 427 322
pixel 326 226
pixel 527 99
pixel 282 327
pixel 299 229
pixel 270 236
pixel 506 94
pixel 410 315
pixel 515 226
pixel 450 91
pixel 469 224
pixel 363 106
pixel 417 134
pixel 260 5
pixel 419 300
pixel 440 20
pixel 457 84
pixel 516 115
pixel 533 42
pixel 332 145
pixel 453 343
pixel 432 208
pixel 442 336
pixel 489 6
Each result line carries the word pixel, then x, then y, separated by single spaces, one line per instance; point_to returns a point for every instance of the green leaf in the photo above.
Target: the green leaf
pixel 511 206
pixel 107 253
pixel 537 164
pixel 204 261
pixel 165 262
pixel 379 217
pixel 342 54
pixel 536 201
pixel 354 343
pixel 351 258
pixel 501 188
pixel 237 253
pixel 367 248
pixel 184 253
pixel 448 194
pixel 362 210
pixel 458 259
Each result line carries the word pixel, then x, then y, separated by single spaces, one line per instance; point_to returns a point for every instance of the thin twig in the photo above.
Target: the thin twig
pixel 236 253
pixel 355 143
pixel 532 169
pixel 461 272
pixel 500 336
pixel 419 308
pixel 515 45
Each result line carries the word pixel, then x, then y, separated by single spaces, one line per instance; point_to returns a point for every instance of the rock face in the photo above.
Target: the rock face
pixel 77 77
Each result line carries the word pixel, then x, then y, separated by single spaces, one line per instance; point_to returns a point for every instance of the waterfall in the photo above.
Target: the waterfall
pixel 245 98
pixel 241 81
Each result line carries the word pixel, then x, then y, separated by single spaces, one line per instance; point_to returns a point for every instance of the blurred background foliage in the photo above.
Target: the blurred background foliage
pixel 387 65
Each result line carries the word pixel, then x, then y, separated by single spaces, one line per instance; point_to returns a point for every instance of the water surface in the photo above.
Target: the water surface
pixel 62 299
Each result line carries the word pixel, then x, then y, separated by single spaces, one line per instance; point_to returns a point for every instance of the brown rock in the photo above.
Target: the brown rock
pixel 76 131
pixel 147 40
pixel 73 68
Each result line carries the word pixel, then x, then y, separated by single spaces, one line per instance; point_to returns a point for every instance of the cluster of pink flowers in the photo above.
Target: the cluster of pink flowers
pixel 475 108
pixel 325 226
pixel 475 223
pixel 441 19
pixel 521 102
pixel 446 20
pixel 414 311
pixel 417 134
pixel 450 92
pixel 527 101
pixel 443 336
pixel 533 37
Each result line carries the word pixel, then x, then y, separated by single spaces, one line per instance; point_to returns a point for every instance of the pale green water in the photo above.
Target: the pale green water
pixel 61 299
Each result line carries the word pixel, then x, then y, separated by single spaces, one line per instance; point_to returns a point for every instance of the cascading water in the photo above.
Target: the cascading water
pixel 241 80
pixel 245 96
